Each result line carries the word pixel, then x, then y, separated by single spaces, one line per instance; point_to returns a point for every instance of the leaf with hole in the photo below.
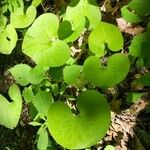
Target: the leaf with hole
pixel 114 72
pixel 20 72
pixel 82 130
pixel 10 111
pixel 105 36
pixel 41 42
pixel 8 39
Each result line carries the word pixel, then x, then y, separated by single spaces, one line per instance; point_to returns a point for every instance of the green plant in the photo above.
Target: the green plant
pixel 81 117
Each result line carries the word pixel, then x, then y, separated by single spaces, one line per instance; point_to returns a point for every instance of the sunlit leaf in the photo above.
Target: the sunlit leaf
pixel 41 43
pixel 83 8
pixel 42 102
pixel 83 129
pixel 8 39
pixel 10 111
pixel 71 73
pixel 103 36
pixel 42 142
pixel 19 18
pixel 20 72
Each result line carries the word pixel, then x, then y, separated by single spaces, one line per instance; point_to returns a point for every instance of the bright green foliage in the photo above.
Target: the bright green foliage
pixel 42 142
pixel 79 9
pixel 19 18
pixel 35 3
pixel 42 102
pixel 72 74
pixel 133 97
pixel 109 147
pixel 24 74
pixel 84 129
pixel 36 74
pixel 79 14
pixel 113 73
pixel 20 73
pixel 3 21
pixel 8 39
pixel 136 10
pixel 10 111
pixel 140 48
pixel 144 80
pixel 105 36
pixel 41 43
pixel 28 94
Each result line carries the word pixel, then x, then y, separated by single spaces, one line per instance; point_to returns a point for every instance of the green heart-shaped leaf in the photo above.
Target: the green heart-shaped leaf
pixel 105 34
pixel 84 129
pixel 84 8
pixel 8 39
pixel 10 111
pixel 19 19
pixel 41 43
pixel 116 70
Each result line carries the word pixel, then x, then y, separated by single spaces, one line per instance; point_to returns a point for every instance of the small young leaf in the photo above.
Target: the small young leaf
pixel 20 73
pixel 36 74
pixel 28 94
pixel 116 70
pixel 133 97
pixel 41 43
pixel 10 111
pixel 84 129
pixel 42 142
pixel 35 3
pixel 42 102
pixel 104 34
pixel 8 39
pixel 109 147
pixel 144 80
pixel 71 74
